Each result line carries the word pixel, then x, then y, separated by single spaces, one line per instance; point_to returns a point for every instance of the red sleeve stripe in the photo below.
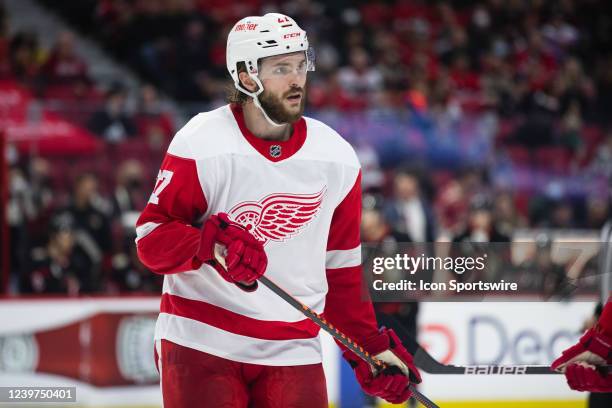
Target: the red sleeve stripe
pixel 237 323
pixel 343 258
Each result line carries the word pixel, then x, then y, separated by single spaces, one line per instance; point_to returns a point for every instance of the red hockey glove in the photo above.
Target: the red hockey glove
pixel 390 384
pixel 594 347
pixel 229 248
pixel 585 377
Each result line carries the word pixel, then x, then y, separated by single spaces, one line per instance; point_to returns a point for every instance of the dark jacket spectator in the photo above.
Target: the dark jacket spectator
pixel 408 212
pixel 61 266
pixel 112 123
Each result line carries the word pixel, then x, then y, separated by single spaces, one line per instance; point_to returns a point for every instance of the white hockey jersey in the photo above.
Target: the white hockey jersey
pixel 301 197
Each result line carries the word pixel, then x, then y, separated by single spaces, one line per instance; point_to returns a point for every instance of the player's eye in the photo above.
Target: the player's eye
pixel 282 70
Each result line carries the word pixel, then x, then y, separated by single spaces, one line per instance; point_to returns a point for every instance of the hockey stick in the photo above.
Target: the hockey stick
pixel 220 253
pixel 430 365
pixel 338 335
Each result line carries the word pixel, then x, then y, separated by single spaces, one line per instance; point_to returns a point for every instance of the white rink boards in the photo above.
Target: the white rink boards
pixel 455 333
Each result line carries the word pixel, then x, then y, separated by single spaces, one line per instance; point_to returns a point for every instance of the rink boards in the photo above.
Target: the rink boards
pixel 102 346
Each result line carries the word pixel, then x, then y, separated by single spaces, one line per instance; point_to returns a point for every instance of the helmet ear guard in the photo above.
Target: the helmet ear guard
pixel 254 75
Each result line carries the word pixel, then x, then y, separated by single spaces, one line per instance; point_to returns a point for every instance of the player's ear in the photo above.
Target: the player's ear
pixel 247 81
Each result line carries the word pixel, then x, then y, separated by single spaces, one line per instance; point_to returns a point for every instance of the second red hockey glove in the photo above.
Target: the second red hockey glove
pixel 594 347
pixel 585 377
pixel 229 248
pixel 391 384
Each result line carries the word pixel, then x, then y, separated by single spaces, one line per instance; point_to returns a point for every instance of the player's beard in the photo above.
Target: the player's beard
pixel 273 105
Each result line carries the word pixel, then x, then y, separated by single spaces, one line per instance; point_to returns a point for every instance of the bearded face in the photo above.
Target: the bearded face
pixel 284 81
pixel 287 107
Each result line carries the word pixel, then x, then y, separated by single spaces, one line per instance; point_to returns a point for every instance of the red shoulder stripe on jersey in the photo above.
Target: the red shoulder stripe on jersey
pixel 237 323
pixel 344 232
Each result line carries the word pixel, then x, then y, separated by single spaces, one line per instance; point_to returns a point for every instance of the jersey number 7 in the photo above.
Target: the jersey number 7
pixel 163 179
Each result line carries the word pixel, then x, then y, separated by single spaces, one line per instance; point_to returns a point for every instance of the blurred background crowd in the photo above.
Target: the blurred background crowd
pixel 472 119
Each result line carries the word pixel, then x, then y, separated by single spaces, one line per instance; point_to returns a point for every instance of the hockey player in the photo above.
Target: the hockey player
pixel 279 194
pixel 594 348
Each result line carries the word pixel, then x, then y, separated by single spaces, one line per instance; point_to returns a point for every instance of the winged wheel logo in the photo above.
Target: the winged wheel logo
pixel 278 217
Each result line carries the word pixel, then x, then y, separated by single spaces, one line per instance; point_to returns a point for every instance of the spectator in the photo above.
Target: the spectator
pixel 451 207
pixel 549 277
pixel 483 238
pixel 112 123
pixel 454 198
pixel 376 230
pixel 129 197
pixel 481 225
pixel 506 215
pixel 43 197
pixel 408 211
pixel 153 121
pixel 332 95
pixel 20 210
pixel 571 128
pixel 541 107
pixel 91 218
pixel 41 184
pixel 130 275
pixel 25 58
pixel 372 178
pixel 561 215
pixel 192 52
pixel 598 211
pixel 359 78
pixel 64 67
pixel 61 266
pixel 574 87
pixel 463 77
pixel 394 73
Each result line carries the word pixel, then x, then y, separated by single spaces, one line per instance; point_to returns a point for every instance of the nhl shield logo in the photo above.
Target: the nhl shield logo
pixel 275 151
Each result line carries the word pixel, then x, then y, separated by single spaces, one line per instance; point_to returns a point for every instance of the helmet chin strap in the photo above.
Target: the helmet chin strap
pixel 270 121
pixel 255 96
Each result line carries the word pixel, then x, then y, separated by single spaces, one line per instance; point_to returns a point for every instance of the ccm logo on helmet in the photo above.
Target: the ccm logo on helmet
pixel 246 26
pixel 291 35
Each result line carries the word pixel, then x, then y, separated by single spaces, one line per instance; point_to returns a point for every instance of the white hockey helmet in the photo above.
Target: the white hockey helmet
pixel 257 37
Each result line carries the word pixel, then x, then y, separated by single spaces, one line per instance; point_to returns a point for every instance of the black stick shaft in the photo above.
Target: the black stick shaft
pixel 501 369
pixel 338 335
pixel 430 365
